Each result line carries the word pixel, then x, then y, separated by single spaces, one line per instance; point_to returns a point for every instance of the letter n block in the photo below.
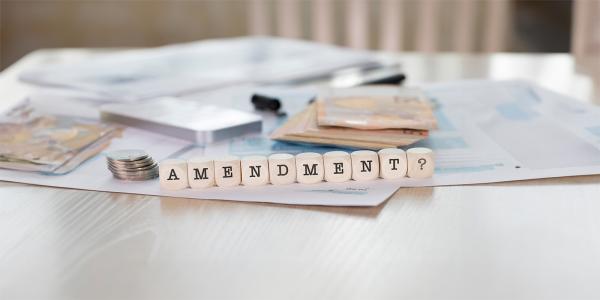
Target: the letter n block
pixel 255 170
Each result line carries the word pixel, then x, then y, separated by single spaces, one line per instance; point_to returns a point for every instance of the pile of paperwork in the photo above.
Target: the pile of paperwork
pixel 185 68
pixel 365 118
pixel 487 132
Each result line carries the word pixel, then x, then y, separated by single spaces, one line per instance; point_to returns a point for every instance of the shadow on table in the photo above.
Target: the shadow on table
pixel 171 205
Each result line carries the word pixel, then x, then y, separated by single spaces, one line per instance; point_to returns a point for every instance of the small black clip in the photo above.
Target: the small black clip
pixel 262 102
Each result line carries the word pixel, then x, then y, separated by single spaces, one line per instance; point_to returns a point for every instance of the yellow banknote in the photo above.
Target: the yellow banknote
pixel 409 110
pixel 303 127
pixel 52 144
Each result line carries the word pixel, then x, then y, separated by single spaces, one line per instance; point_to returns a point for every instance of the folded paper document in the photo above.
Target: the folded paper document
pixel 180 69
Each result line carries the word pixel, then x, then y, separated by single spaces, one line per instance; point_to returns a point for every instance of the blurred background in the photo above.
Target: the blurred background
pixel 391 25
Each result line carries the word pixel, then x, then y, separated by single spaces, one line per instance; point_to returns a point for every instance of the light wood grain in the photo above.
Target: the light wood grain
pixel 536 239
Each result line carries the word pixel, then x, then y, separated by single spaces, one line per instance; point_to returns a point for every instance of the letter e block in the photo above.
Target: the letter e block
pixel 227 171
pixel 338 166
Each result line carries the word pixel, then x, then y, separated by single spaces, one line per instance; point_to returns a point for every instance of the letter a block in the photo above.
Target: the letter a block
pixel 365 165
pixel 309 167
pixel 201 172
pixel 282 168
pixel 420 162
pixel 173 174
pixel 392 162
pixel 338 166
pixel 255 170
pixel 227 171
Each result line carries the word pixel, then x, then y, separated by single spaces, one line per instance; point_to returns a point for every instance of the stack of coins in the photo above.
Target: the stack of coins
pixel 134 165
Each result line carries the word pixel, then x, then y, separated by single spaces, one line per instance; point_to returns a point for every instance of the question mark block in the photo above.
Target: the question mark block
pixel 420 162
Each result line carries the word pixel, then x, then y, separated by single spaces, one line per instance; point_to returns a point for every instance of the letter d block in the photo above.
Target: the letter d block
pixel 201 172
pixel 255 170
pixel 227 171
pixel 338 166
pixel 282 168
pixel 392 162
pixel 365 165
pixel 309 167
pixel 173 174
pixel 420 162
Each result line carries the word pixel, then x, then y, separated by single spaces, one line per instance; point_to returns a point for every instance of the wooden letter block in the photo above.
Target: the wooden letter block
pixel 338 166
pixel 201 172
pixel 420 162
pixel 309 167
pixel 255 170
pixel 282 168
pixel 173 174
pixel 392 163
pixel 365 165
pixel 227 171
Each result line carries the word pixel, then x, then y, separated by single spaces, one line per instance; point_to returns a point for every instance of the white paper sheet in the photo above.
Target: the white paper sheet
pixel 180 69
pixel 489 132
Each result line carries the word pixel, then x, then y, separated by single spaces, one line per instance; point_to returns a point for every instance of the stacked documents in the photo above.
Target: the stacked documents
pixel 181 69
pixel 51 144
pixel 358 118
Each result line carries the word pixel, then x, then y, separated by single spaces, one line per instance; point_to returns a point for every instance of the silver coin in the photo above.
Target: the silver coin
pixel 137 174
pixel 131 165
pixel 127 155
pixel 139 178
pixel 130 162
pixel 131 159
pixel 140 165
pixel 132 172
pixel 137 165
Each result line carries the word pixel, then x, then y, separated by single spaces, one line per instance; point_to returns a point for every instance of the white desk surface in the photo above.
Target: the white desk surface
pixel 536 239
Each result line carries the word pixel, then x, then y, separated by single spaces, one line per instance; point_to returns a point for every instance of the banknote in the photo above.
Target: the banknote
pixel 406 108
pixel 52 144
pixel 303 127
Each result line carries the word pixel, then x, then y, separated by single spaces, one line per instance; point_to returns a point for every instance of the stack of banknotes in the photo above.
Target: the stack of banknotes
pixel 50 144
pixel 357 118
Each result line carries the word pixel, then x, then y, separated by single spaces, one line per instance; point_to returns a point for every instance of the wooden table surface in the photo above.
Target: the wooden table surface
pixel 537 239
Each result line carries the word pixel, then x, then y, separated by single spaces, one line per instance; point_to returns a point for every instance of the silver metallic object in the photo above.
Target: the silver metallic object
pixel 132 165
pixel 189 120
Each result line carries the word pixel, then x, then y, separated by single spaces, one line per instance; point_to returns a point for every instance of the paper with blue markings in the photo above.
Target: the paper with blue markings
pixel 488 132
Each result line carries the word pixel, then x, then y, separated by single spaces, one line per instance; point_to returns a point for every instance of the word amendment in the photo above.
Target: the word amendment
pixel 283 168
